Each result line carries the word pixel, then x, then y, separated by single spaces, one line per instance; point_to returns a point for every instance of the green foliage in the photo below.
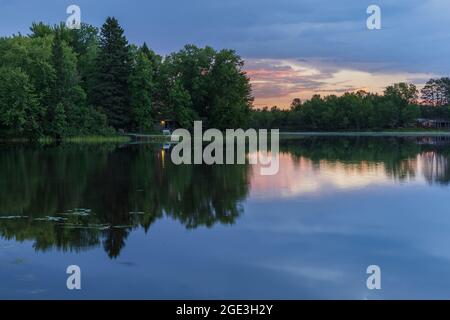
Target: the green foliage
pixel 218 89
pixel 141 88
pixel 19 108
pixel 40 30
pixel 404 91
pixel 352 111
pixel 435 112
pixel 67 95
pixel 231 91
pixel 180 102
pixel 55 60
pixel 81 82
pixel 436 92
pixel 58 125
pixel 85 44
pixel 32 56
pixel 113 67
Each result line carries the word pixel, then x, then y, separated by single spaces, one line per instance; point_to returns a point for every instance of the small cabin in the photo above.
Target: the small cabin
pixel 166 125
pixel 434 123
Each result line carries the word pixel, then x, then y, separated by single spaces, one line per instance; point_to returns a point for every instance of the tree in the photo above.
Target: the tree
pixel 19 107
pixel 58 127
pixel 110 89
pixel 191 65
pixel 85 44
pixel 404 97
pixel 82 39
pixel 219 89
pixel 141 88
pixel 230 92
pixel 405 91
pixel 436 92
pixel 296 104
pixel 352 111
pixel 180 102
pixel 154 59
pixel 33 57
pixel 67 96
pixel 40 30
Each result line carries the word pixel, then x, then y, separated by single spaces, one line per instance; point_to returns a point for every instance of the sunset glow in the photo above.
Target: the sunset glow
pixel 278 82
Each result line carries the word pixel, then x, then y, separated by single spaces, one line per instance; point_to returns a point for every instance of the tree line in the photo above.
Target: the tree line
pixel 60 82
pixel 399 106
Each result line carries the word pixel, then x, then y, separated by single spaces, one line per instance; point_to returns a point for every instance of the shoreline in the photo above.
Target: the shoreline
pixel 77 139
pixel 283 134
pixel 368 134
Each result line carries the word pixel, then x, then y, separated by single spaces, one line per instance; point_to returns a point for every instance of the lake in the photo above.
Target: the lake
pixel 140 227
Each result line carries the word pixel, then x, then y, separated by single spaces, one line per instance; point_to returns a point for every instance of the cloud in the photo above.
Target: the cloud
pixel 278 82
pixel 323 35
pixel 414 37
pixel 278 79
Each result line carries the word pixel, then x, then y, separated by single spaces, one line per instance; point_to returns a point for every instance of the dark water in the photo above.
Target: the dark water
pixel 140 227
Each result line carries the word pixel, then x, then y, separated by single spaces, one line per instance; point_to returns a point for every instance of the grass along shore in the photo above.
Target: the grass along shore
pixel 92 139
pixel 85 139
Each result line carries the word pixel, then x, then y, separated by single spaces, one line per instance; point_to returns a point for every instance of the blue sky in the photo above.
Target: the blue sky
pixel 292 47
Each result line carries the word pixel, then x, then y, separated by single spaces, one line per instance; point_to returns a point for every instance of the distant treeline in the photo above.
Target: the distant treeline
pixel 60 82
pixel 398 107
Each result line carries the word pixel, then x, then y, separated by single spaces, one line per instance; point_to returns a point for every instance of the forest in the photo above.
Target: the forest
pixel 58 82
pixel 399 107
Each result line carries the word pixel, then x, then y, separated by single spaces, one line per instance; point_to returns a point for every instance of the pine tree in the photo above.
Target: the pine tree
pixel 58 65
pixel 55 127
pixel 110 88
pixel 154 58
pixel 141 88
pixel 67 96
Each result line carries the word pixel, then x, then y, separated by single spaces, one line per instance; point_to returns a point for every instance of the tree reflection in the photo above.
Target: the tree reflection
pixel 44 191
pixel 402 157
pixel 76 197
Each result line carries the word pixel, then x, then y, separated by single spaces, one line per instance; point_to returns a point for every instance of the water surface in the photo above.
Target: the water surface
pixel 140 227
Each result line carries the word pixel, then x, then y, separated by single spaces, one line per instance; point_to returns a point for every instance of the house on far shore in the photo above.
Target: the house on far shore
pixel 166 125
pixel 433 123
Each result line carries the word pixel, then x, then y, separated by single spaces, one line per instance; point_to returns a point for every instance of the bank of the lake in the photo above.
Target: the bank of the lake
pixel 368 134
pixel 85 139
pixel 160 138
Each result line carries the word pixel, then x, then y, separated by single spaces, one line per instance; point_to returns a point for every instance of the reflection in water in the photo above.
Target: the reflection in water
pixel 375 159
pixel 301 175
pixel 434 167
pixel 317 165
pixel 75 197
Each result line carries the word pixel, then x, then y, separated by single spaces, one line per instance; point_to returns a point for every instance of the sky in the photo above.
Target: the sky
pixel 292 48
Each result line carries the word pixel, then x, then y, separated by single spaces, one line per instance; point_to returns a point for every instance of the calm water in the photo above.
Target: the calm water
pixel 140 227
